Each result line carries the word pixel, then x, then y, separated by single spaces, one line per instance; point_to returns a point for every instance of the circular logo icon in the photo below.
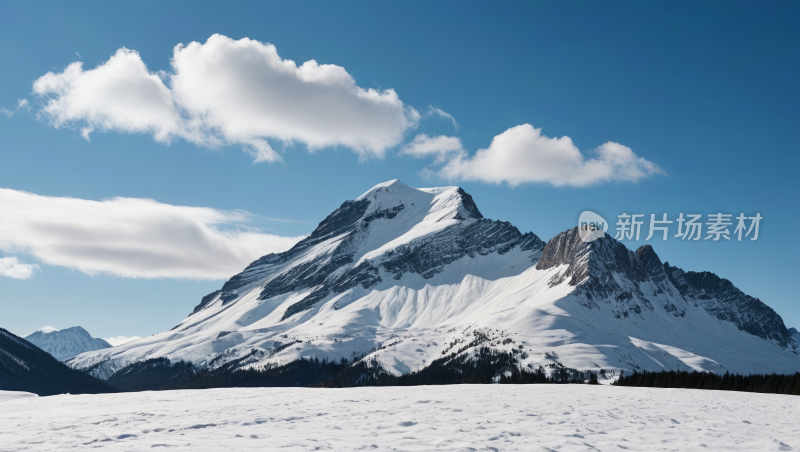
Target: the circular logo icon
pixel 591 226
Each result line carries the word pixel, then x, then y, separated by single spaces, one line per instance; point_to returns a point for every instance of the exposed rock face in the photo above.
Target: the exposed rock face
pixel 592 267
pixel 652 264
pixel 719 297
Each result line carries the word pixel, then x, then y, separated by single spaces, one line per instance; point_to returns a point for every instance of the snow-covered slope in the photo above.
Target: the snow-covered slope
pixel 66 343
pixel 404 276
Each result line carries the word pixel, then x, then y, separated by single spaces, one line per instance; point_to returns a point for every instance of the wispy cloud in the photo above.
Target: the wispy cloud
pixel 435 111
pixel 21 104
pixel 130 237
pixel 12 267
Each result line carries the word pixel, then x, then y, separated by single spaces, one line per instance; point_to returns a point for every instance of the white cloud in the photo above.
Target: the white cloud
pixel 434 111
pixel 14 268
pixel 522 155
pixel 129 237
pixel 425 146
pixel 21 103
pixel 228 92
pixel 120 94
pixel 119 340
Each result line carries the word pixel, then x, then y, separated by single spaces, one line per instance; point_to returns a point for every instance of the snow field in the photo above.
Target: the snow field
pixel 13 395
pixel 447 418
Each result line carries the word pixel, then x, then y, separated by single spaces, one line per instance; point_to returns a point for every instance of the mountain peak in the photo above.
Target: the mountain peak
pixel 590 264
pixel 385 187
pixel 652 264
pixel 66 343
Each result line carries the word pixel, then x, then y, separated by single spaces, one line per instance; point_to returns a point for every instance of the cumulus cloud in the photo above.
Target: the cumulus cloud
pixel 522 155
pixel 227 92
pixel 12 267
pixel 119 340
pixel 130 237
pixel 120 94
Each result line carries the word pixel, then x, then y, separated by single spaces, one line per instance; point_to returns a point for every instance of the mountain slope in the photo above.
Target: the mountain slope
pixel 400 278
pixel 66 343
pixel 25 367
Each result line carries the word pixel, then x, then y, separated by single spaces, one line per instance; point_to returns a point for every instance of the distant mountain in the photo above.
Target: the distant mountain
pixel 64 344
pixel 25 367
pixel 401 280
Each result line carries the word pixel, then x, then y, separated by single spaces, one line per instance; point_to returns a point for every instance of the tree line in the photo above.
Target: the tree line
pixel 764 383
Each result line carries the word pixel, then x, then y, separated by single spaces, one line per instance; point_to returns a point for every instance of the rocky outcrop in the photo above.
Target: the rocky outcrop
pixel 592 267
pixel 724 301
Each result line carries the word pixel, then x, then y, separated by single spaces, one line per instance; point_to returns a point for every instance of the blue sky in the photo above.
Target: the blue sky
pixel 707 94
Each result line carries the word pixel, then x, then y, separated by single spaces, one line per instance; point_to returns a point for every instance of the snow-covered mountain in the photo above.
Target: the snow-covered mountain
pixel 402 277
pixel 25 367
pixel 66 343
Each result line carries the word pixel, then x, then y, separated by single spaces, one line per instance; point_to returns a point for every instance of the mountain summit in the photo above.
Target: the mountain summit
pixel 404 279
pixel 66 343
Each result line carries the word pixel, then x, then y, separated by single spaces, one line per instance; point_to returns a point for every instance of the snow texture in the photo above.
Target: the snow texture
pixel 448 418
pixel 14 395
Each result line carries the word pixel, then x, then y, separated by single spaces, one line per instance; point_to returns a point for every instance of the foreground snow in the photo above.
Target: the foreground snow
pixel 481 417
pixel 14 395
